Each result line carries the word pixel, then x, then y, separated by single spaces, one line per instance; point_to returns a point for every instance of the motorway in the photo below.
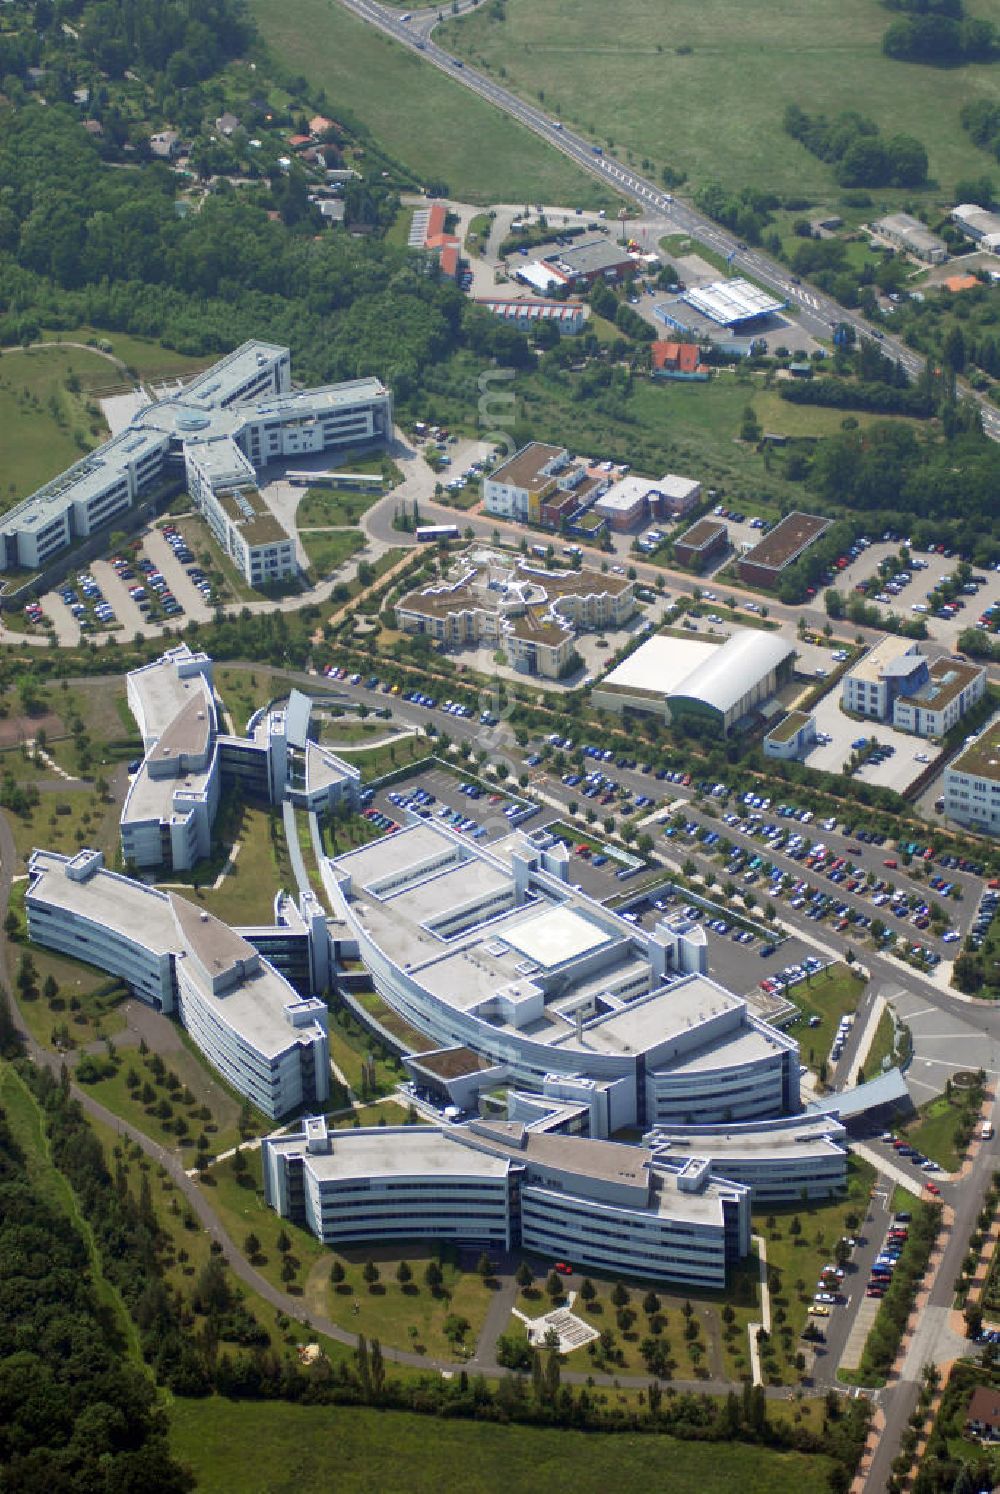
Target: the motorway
pixel 817 312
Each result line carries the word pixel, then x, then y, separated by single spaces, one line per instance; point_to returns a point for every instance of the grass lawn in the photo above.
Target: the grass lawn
pixel 64 820
pixel 799 1252
pixel 618 74
pixel 389 1312
pixel 44 424
pixel 374 761
pixel 347 731
pixel 328 549
pixel 299 1447
pixel 188 1249
pixel 321 508
pixel 199 1090
pixel 151 360
pixel 716 1350
pixel 261 867
pixel 933 1133
pixel 420 116
pixel 883 1045
pixel 830 995
pixel 88 1003
pixel 349 1046
pixel 244 691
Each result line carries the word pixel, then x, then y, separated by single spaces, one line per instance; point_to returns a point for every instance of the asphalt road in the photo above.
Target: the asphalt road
pixel 818 313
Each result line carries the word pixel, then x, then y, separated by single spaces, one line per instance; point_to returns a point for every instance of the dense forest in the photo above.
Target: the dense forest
pixel 76 1414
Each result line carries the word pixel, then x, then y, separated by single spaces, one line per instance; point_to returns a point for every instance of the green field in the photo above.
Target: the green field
pixel 328 549
pixel 44 426
pixel 830 995
pixel 649 78
pixel 322 509
pixel 299 1447
pixel 432 124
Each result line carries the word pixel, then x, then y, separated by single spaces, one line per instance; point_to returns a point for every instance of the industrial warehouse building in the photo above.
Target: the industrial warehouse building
pixel 678 678
pixel 907 233
pixel 215 434
pixel 978 224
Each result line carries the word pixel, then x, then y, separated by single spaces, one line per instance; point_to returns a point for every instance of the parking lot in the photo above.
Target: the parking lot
pixel 174 573
pixel 907 762
pixel 478 813
pixel 905 596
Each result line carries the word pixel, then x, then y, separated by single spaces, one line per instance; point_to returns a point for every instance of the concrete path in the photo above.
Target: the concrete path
pixel 868 1035
pixel 765 1311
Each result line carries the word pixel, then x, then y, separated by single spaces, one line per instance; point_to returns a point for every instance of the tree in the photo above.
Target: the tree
pixel 620 1295
pixel 337 1273
pixel 484 1266
pixel 251 1246
pixel 433 1277
pixel 553 1285
pixel 289 1270
pixel 524 1275
pixel 588 1291
pixel 283 1243
pixel 650 1303
pixel 371 1273
pixel 404 1273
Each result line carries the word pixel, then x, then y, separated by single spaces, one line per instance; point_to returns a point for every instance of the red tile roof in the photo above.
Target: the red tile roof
pixel 449 259
pixel 435 221
pixel 298 140
pixel 682 356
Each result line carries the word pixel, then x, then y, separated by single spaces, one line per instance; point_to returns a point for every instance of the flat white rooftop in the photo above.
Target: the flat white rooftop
pixel 391 1151
pixel 554 936
pixel 731 301
pixel 660 664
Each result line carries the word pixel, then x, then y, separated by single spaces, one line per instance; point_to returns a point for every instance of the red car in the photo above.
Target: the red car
pixel 564 1268
pixel 933 1188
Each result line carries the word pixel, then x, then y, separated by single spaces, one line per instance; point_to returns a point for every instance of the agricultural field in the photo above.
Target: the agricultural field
pixel 424 119
pixel 642 79
pixel 295 1447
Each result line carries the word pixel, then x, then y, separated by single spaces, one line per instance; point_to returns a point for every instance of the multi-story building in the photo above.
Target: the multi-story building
pixel 531 613
pixel 216 433
pixel 490 950
pixel 498 1184
pixel 533 476
pixel 780 1161
pixel 269 1042
pixel 896 682
pixel 972 783
pixel 172 799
